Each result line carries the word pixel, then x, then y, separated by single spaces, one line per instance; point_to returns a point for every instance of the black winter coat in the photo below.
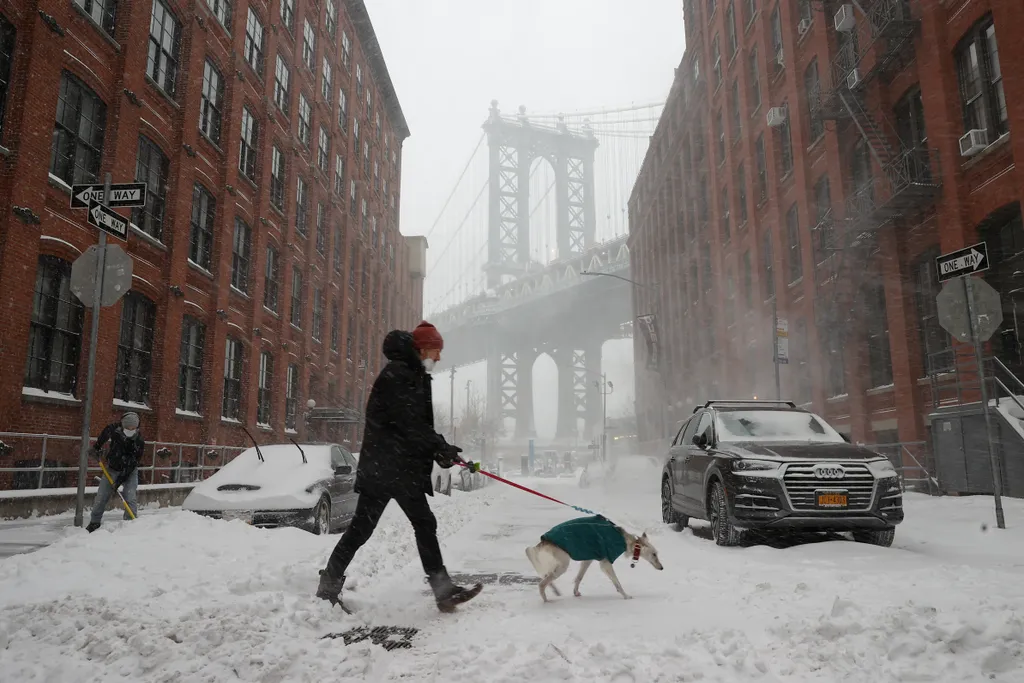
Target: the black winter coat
pixel 399 441
pixel 125 452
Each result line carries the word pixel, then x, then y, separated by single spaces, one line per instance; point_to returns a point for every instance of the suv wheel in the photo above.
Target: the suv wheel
pixel 322 517
pixel 669 515
pixel 882 537
pixel 718 510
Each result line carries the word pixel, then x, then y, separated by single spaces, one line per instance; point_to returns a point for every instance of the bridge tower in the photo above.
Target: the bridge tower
pixel 514 144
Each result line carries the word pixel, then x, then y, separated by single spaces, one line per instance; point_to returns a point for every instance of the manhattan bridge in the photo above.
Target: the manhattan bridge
pixel 528 257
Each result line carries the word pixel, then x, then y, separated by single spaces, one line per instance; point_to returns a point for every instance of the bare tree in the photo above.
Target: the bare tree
pixel 474 423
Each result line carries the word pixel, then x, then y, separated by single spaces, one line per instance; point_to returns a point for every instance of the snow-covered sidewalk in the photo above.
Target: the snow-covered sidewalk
pixel 176 597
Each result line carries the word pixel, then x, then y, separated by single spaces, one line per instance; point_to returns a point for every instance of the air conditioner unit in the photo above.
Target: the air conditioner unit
pixel 844 19
pixel 972 143
pixel 853 79
pixel 776 116
pixel 780 59
pixel 803 27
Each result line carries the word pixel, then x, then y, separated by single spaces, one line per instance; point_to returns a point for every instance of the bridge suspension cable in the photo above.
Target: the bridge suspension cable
pixel 462 175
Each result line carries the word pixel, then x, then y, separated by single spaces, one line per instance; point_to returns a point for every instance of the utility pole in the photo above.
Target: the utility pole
pixel 451 403
pixel 775 346
pixel 606 388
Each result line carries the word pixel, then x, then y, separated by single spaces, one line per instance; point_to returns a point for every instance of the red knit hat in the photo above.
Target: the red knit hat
pixel 426 337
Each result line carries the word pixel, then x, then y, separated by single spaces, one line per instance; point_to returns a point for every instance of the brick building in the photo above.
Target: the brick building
pixel 268 261
pixel 821 170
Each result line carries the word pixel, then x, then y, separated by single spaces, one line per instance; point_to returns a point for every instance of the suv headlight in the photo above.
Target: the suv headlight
pixel 744 466
pixel 882 469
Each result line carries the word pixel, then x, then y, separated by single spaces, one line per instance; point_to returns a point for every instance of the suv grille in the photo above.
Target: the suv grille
pixel 801 484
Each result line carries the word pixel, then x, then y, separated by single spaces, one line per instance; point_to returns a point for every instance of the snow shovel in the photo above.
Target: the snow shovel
pixel 124 502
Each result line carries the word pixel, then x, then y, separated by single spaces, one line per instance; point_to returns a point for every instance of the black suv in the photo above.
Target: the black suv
pixel 769 465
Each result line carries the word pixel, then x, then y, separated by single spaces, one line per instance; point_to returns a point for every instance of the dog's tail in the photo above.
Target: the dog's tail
pixel 531 554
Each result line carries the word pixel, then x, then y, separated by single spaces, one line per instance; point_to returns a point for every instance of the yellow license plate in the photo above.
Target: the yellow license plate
pixel 832 500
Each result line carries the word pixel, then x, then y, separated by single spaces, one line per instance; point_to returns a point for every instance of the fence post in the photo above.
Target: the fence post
pixel 42 464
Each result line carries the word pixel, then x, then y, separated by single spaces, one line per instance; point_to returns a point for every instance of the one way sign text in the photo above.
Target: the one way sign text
pixel 107 220
pixel 122 195
pixel 972 259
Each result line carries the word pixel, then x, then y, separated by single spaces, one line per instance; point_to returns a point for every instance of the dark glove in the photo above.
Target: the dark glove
pixel 118 480
pixel 449 456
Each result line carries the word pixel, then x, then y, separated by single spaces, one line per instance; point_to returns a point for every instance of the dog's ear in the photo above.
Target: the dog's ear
pixel 644 536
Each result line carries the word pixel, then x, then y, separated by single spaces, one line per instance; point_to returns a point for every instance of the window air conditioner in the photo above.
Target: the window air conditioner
pixel 844 19
pixel 803 27
pixel 972 143
pixel 776 116
pixel 853 79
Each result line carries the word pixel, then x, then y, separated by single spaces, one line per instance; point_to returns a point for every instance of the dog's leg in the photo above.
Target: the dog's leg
pixel 563 565
pixel 584 566
pixel 609 571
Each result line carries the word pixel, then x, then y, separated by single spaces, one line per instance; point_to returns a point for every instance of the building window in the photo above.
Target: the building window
pixel 776 22
pixel 352 197
pixel 7 34
pixel 823 206
pixel 877 331
pixel 355 135
pixel 222 10
pixel 339 246
pixel 296 307
pixel 796 269
pixel 203 210
pixel 716 60
pixel 331 19
pixel 250 142
pixel 271 279
pixel 55 333
pixel 812 87
pixel 910 120
pixel 359 81
pixel 240 248
pixel 335 327
pixel 350 338
pixel 326 75
pixel 282 85
pixel 762 170
pixel 291 396
pixel 352 269
pixel 339 175
pixel 318 314
pixel 343 110
pixel 785 144
pixel 210 102
pixel 190 365
pixel 265 391
pixel 366 159
pixel 736 125
pixel 730 29
pixel 346 49
pixel 323 155
pixel 835 364
pixel 769 266
pixel 301 206
pixel 164 34
pixel 741 194
pixel 981 81
pixel 755 81
pixel 103 12
pixel 720 132
pixel 231 403
pixel 135 349
pixel 723 210
pixel 305 122
pixel 321 228
pixel 748 280
pixel 253 47
pixel 936 344
pixel 308 45
pixel 152 168
pixel 77 133
pixel 277 178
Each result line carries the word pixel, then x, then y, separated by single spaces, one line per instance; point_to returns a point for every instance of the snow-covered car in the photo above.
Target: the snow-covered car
pixel 771 466
pixel 310 486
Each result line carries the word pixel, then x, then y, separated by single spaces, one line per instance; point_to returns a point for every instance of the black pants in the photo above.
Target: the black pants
pixel 369 508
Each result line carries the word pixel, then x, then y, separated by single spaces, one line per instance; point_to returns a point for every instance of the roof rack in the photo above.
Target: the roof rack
pixel 746 402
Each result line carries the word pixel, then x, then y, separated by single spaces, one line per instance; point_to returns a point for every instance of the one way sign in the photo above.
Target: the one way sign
pixel 972 259
pixel 122 195
pixel 107 220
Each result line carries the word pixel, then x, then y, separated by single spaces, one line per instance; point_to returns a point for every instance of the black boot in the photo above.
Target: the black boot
pixel 447 594
pixel 330 588
pixel 93 526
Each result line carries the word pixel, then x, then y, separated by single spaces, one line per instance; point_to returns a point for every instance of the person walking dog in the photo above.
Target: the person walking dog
pixel 122 462
pixel 399 448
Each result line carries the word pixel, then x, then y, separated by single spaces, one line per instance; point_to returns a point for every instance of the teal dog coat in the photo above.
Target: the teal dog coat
pixel 588 538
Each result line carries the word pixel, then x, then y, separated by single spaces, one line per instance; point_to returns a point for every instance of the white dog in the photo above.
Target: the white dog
pixel 585 540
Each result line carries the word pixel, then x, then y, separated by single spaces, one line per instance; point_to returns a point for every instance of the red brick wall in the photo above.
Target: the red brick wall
pixel 972 189
pixel 113 68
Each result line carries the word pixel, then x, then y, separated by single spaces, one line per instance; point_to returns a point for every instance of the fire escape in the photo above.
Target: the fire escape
pixel 910 179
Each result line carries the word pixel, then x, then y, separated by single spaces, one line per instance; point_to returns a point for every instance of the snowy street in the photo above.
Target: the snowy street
pixel 177 597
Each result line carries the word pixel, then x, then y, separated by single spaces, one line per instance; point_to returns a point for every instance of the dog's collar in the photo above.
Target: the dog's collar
pixel 636 554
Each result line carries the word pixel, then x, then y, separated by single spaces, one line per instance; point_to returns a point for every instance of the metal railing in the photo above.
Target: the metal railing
pixel 47 461
pixel 917 476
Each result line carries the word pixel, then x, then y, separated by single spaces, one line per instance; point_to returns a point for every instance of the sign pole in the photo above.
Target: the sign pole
pixel 993 456
pixel 94 333
pixel 775 346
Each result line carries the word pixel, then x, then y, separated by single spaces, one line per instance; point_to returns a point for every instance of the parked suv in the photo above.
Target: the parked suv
pixel 768 465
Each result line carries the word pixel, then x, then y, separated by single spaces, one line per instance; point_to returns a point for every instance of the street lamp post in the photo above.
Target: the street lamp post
pixel 606 388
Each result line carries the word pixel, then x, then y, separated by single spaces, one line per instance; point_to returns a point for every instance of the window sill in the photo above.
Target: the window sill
pixel 237 292
pixel 230 421
pixel 838 398
pixel 295 327
pixel 54 397
pixel 5 152
pixel 248 180
pixel 199 269
pixel 211 142
pixel 264 428
pixel 801 39
pixel 131 405
pixel 188 415
pixel 290 430
pixel 756 111
pixel 796 282
pixel 106 36
pixel 137 231
pixel 162 92
pixel 994 148
pixel 271 312
pixel 816 142
pixel 884 389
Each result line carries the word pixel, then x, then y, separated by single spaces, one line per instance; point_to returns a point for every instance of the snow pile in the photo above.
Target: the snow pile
pixel 180 597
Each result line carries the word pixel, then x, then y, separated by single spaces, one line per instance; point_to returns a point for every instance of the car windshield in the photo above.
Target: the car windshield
pixel 774 425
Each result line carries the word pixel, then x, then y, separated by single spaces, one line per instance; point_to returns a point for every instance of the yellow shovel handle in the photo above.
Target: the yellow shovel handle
pixel 124 502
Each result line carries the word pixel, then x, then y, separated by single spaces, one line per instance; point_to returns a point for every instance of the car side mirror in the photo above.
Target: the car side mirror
pixel 343 469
